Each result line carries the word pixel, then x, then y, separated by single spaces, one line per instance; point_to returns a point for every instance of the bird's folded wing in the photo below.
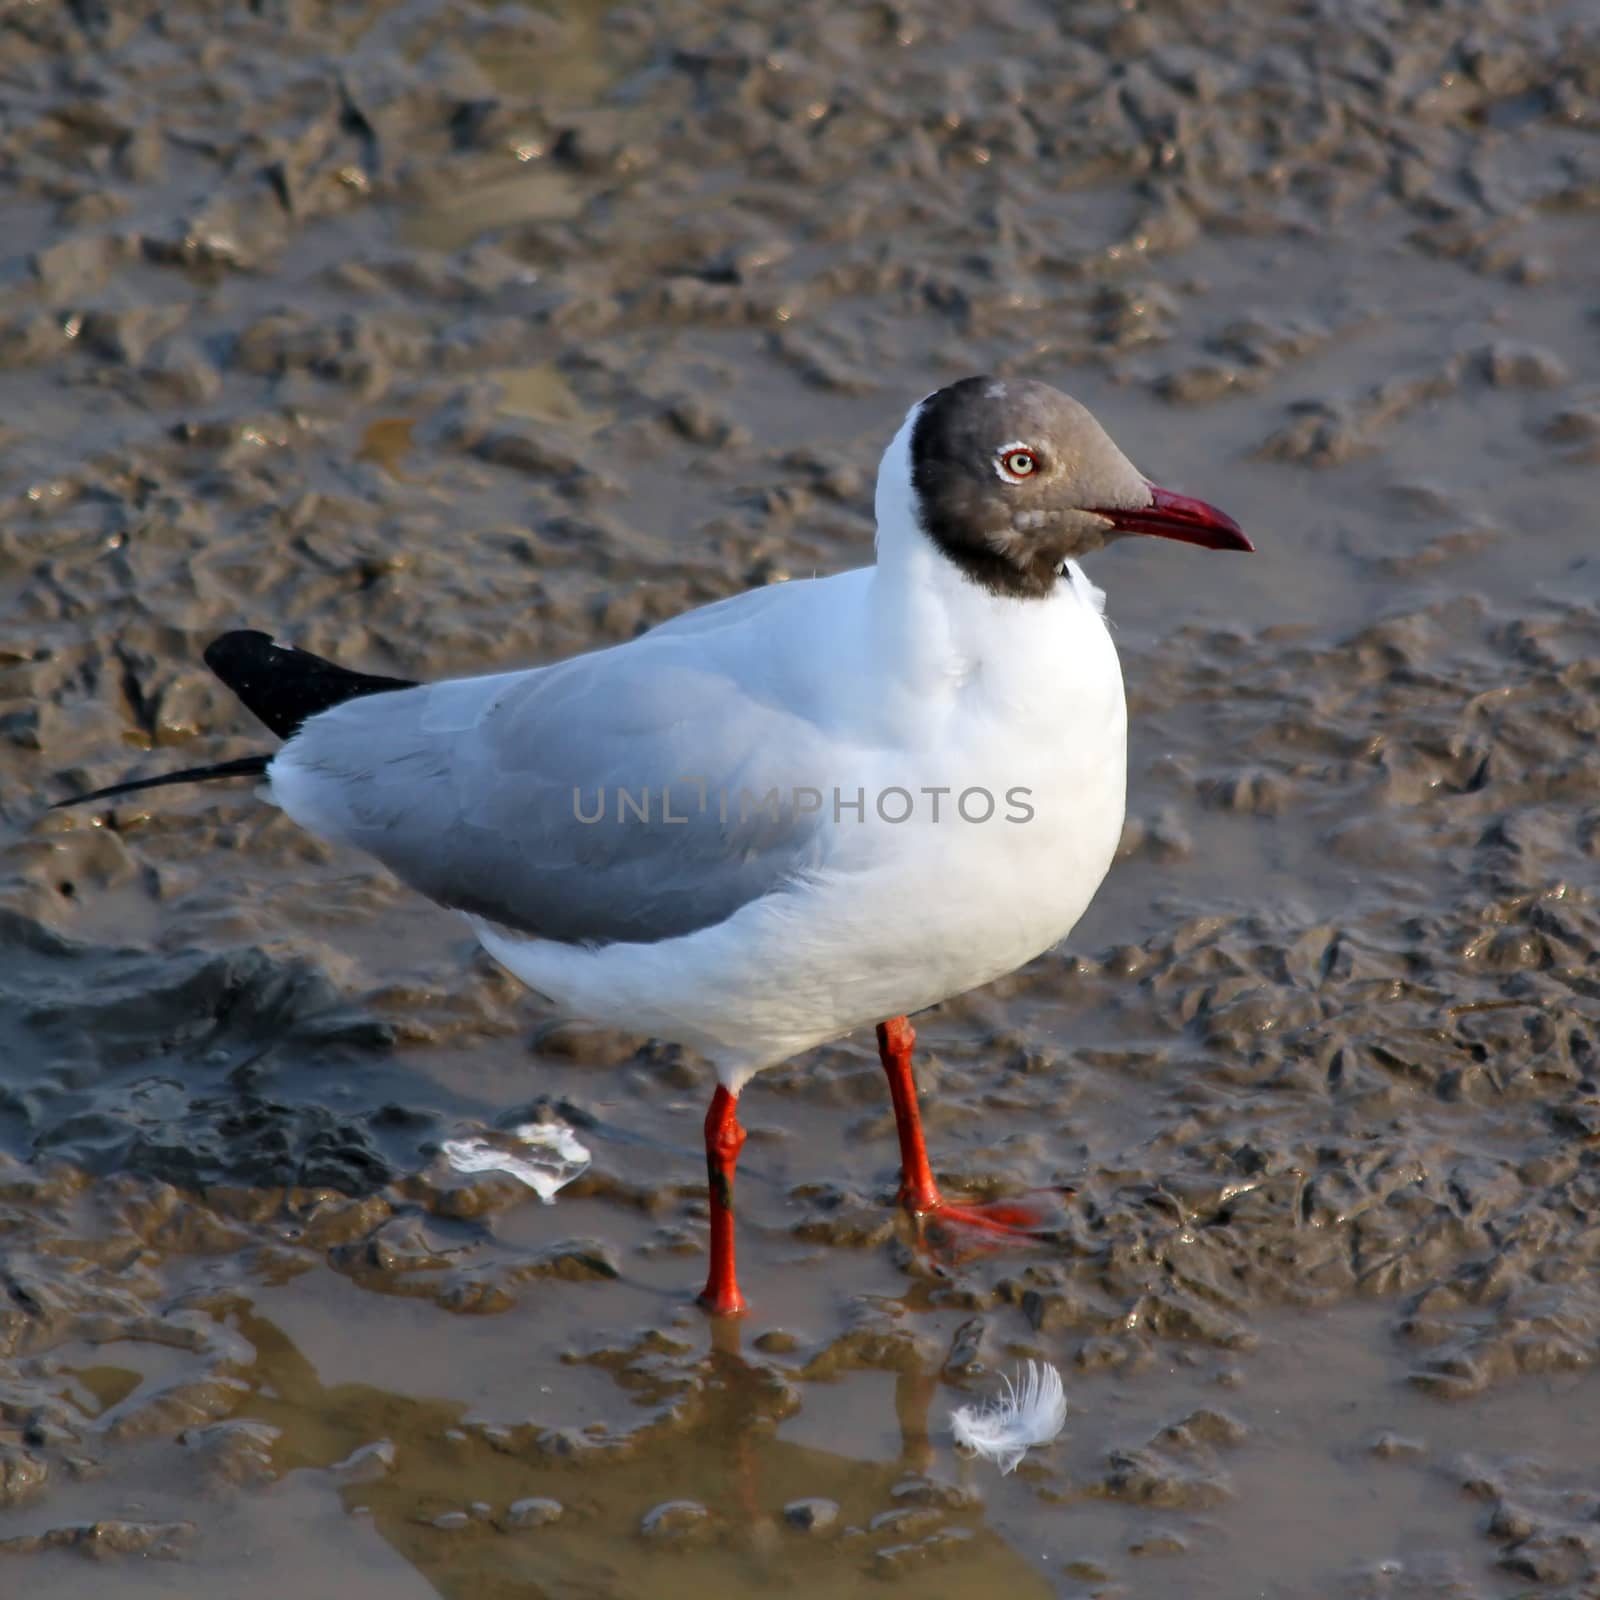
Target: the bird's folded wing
pixel 636 794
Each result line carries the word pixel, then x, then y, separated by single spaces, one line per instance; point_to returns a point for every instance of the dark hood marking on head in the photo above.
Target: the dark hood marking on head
pixel 1010 538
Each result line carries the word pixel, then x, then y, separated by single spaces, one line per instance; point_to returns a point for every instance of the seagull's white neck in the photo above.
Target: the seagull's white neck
pixel 910 565
pixel 894 502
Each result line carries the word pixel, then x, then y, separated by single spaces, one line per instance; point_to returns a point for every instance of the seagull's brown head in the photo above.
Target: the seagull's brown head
pixel 1011 479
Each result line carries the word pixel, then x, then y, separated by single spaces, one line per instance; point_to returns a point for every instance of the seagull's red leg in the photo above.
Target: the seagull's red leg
pixel 724 1140
pixel 919 1194
pixel 896 1040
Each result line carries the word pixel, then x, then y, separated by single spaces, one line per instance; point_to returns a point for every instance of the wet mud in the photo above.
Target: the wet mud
pixel 445 337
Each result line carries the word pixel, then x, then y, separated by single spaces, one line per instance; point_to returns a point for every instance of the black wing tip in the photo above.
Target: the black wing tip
pixel 232 647
pixel 281 685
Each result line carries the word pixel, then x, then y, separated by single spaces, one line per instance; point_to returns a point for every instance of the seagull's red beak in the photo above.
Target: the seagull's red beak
pixel 1176 516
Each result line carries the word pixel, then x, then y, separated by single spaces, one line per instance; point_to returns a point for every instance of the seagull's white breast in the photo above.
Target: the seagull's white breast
pixel 1024 710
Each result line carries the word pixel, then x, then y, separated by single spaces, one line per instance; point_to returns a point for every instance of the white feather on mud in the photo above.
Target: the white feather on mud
pixel 1031 1411
pixel 546 1156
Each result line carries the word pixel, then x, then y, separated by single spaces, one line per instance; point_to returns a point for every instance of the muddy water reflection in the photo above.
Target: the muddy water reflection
pixel 487 1507
pixel 1307 1465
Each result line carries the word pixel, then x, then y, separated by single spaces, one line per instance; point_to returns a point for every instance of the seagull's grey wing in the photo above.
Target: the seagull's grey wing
pixel 634 794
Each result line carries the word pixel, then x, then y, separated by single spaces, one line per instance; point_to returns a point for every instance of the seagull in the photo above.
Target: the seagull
pixel 813 807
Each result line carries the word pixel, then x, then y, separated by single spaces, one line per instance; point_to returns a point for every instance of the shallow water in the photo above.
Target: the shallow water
pixel 452 336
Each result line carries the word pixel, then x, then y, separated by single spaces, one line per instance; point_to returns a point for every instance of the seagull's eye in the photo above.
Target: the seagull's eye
pixel 1017 462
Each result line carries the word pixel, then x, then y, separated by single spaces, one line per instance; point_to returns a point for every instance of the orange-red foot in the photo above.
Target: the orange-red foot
pixel 1014 1218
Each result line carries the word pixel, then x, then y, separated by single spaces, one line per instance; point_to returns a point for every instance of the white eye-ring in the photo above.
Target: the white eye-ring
pixel 1016 462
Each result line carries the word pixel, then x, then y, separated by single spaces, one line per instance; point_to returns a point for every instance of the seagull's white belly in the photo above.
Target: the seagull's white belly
pixel 912 912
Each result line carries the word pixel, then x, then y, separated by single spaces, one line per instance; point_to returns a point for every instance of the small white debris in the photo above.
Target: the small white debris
pixel 1033 1410
pixel 546 1156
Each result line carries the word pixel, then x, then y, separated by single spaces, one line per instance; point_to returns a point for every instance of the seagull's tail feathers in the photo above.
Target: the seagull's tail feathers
pixel 280 685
